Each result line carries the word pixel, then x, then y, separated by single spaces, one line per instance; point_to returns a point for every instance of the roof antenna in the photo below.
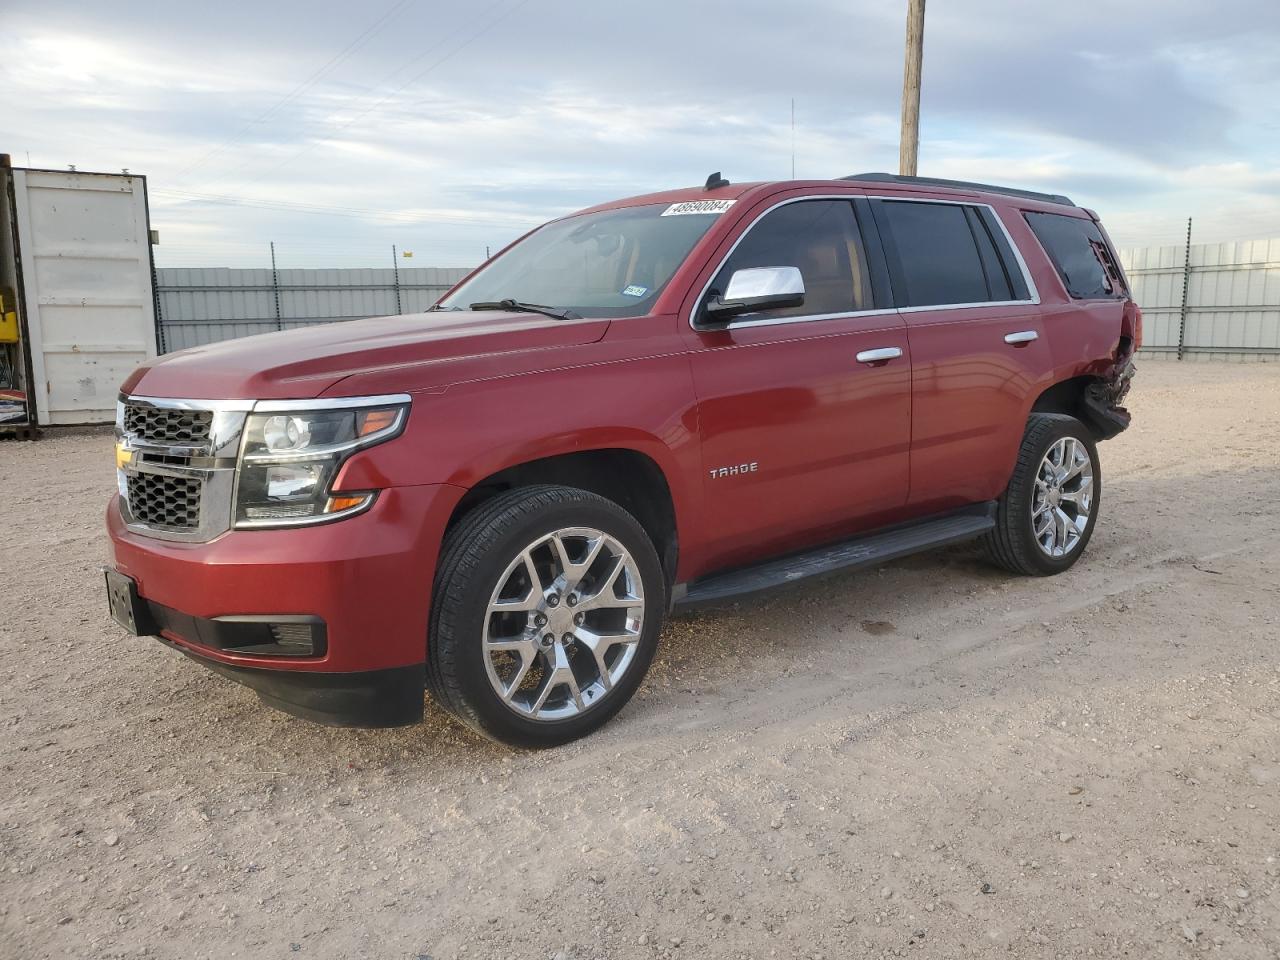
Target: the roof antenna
pixel 715 180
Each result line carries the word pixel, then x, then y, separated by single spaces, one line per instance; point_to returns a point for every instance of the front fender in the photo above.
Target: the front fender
pixel 474 430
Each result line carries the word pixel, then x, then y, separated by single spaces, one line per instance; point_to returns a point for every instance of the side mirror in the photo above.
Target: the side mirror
pixel 757 288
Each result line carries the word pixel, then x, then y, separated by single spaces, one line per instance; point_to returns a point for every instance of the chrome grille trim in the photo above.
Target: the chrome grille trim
pixel 167 426
pixel 178 483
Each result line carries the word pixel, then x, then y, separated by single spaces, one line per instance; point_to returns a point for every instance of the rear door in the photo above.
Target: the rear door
pixel 802 440
pixel 85 255
pixel 1086 323
pixel 977 347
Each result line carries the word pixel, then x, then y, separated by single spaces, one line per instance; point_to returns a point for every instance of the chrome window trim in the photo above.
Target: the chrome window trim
pixel 1032 289
pixel 970 306
pixel 1032 300
pixel 803 318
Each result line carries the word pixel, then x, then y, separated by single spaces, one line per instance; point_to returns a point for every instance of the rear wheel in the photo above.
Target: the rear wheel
pixel 1047 513
pixel 546 613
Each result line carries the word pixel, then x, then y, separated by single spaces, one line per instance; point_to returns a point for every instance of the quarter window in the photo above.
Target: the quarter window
pixel 1080 254
pixel 938 255
pixel 820 237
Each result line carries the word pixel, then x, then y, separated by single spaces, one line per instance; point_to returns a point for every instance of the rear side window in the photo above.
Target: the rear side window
pixel 821 238
pixel 939 258
pixel 1080 254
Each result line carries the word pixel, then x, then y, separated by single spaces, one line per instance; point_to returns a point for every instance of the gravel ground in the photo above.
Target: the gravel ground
pixel 928 760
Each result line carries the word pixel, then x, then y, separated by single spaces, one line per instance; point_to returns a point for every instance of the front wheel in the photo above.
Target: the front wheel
pixel 1047 513
pixel 545 616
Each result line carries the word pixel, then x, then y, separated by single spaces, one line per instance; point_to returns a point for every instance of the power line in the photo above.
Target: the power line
pixel 301 88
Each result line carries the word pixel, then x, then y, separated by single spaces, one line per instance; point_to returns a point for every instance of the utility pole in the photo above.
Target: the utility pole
pixel 909 144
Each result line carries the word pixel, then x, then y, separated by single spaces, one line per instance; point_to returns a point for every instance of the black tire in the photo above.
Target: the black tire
pixel 474 556
pixel 1012 544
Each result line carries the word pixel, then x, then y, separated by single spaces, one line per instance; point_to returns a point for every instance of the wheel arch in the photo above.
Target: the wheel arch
pixel 629 477
pixel 1069 397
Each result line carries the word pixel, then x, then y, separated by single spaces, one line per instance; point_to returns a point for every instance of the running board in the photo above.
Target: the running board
pixel 869 549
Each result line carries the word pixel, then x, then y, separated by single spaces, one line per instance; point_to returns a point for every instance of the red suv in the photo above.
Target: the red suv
pixel 672 399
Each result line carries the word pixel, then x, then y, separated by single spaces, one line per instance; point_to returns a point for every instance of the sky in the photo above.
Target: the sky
pixel 446 128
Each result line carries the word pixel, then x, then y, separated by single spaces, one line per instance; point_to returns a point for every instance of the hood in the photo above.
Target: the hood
pixel 304 363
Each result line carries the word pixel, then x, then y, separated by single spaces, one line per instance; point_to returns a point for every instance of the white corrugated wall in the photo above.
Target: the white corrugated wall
pixel 1233 299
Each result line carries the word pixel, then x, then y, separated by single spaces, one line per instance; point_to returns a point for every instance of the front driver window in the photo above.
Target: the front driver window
pixel 821 238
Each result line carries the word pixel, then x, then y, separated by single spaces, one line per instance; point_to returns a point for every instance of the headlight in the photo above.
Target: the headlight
pixel 283 432
pixel 290 457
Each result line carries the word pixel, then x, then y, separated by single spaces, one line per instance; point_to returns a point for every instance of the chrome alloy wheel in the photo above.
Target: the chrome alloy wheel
pixel 1063 497
pixel 563 623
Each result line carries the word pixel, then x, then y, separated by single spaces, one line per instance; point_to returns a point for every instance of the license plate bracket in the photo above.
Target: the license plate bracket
pixel 127 607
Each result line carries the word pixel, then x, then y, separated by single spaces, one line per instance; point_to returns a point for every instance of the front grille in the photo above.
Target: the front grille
pixel 172 503
pixel 178 474
pixel 166 425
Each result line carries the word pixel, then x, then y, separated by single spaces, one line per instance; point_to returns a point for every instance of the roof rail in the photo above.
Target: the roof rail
pixel 963 185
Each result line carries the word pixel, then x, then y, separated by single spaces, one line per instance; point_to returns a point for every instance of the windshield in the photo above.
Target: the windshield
pixel 608 264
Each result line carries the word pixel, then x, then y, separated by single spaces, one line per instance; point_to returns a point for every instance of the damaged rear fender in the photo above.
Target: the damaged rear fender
pixel 1104 399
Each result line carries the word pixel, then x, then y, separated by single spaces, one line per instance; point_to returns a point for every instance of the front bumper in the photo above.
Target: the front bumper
pixel 367 698
pixel 367 579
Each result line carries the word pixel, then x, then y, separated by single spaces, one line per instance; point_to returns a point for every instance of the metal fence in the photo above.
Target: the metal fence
pixel 1208 300
pixel 205 305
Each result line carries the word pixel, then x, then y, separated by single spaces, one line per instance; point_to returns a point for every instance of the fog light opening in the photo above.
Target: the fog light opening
pixel 293 638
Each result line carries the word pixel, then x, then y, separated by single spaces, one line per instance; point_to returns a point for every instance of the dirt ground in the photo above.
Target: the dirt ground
pixel 933 759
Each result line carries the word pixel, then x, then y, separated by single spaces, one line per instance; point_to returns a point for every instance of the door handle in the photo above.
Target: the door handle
pixel 1021 337
pixel 879 355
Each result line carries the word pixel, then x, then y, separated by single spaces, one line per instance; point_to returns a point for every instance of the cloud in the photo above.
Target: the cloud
pixel 452 127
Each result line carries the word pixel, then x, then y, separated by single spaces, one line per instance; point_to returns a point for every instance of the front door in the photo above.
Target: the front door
pixel 804 412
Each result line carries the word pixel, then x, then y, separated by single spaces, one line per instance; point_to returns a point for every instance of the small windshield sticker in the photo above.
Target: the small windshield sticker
pixel 635 290
pixel 697 206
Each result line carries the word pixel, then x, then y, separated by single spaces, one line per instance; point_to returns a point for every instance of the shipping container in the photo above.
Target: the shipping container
pixel 78 292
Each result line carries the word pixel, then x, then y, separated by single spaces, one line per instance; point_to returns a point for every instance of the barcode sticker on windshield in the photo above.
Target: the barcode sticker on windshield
pixel 697 206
